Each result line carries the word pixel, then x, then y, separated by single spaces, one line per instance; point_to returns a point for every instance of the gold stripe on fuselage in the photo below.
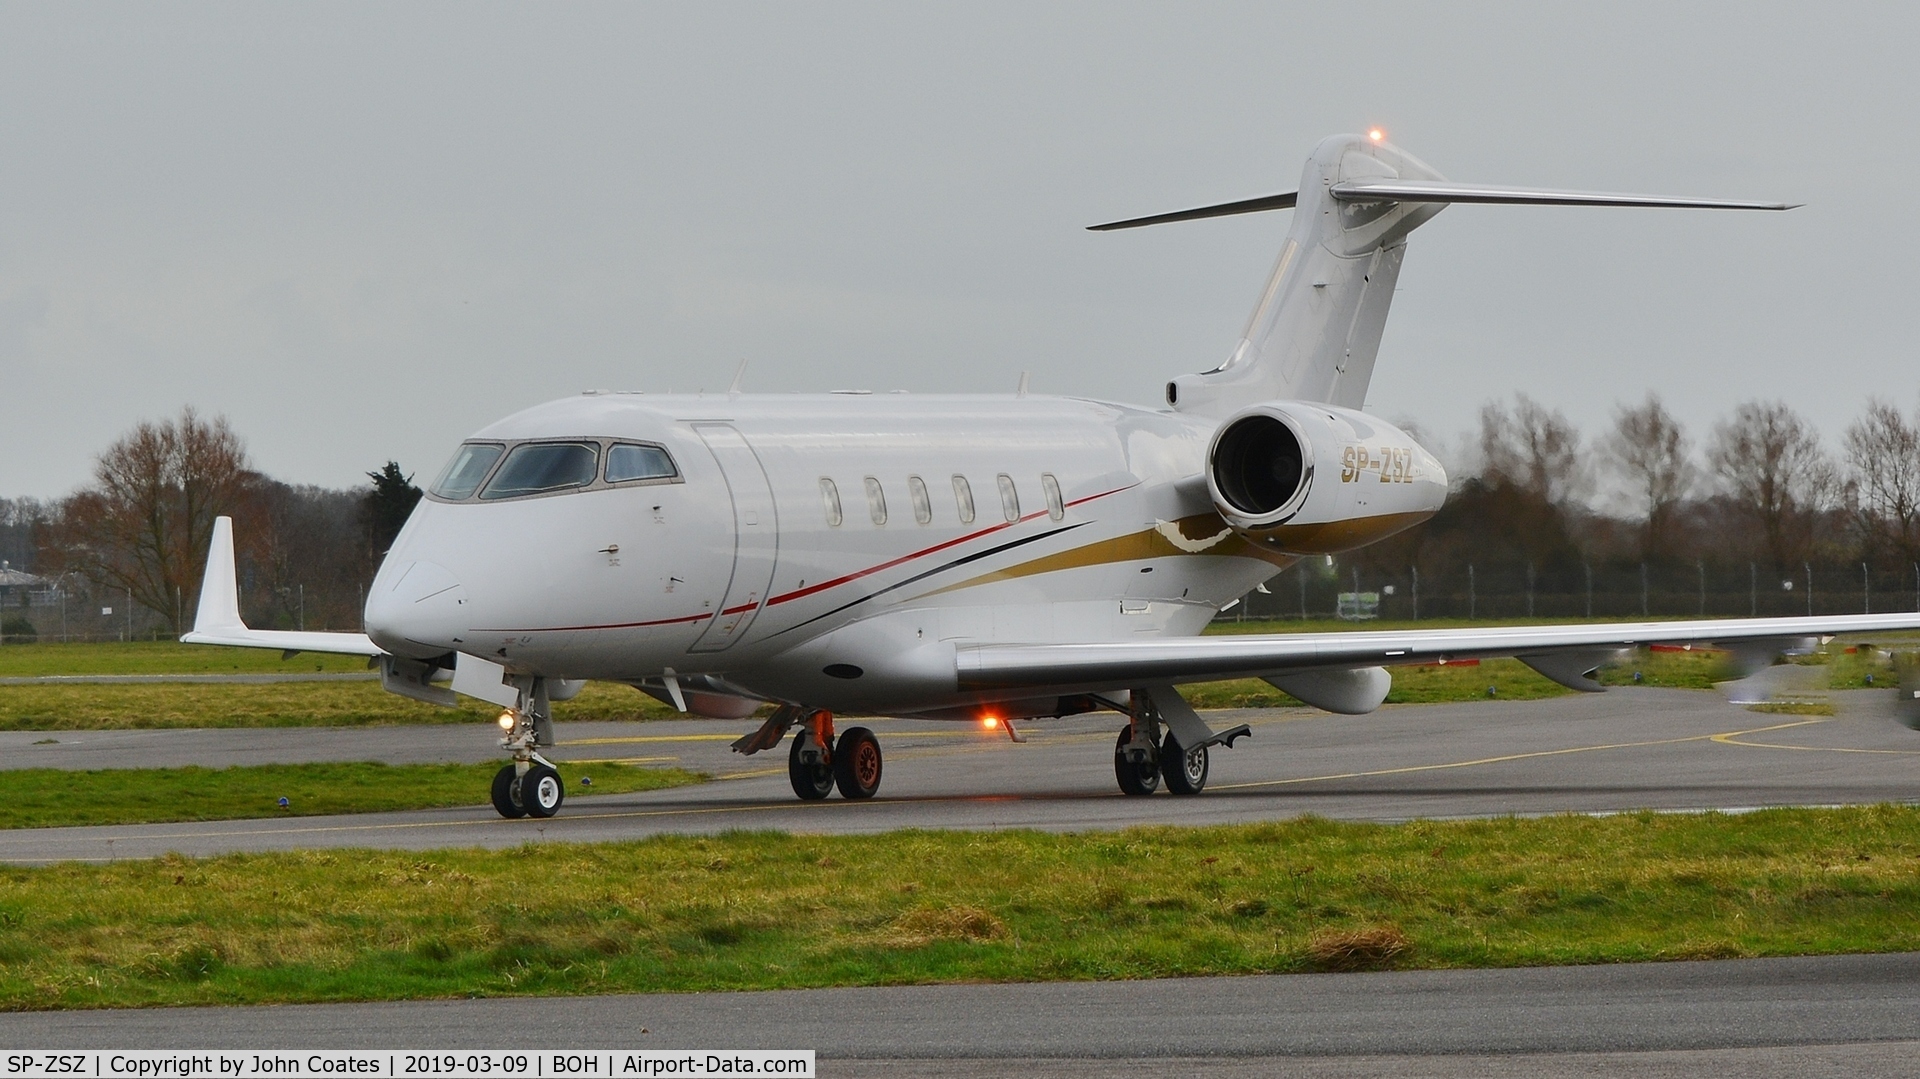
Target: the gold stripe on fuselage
pixel 1204 534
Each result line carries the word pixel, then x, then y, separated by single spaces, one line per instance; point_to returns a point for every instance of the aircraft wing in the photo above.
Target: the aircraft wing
pixel 1557 651
pixel 217 621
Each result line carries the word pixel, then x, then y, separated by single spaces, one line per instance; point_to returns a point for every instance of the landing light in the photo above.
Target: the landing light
pixel 507 721
pixel 990 722
pixel 1376 134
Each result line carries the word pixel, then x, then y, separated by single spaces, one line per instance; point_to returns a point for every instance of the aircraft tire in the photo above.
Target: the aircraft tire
pixel 506 799
pixel 811 782
pixel 1186 772
pixel 541 791
pixel 1135 779
pixel 856 763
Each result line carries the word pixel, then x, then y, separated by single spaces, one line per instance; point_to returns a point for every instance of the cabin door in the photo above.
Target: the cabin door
pixel 756 536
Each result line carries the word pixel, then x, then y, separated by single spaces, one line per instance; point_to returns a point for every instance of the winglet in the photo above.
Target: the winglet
pixel 220 589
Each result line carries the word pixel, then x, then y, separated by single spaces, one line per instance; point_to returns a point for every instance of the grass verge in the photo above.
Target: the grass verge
pixel 763 910
pixel 162 657
pixel 48 797
pixel 277 704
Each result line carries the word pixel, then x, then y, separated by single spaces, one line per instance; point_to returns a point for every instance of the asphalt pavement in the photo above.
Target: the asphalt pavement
pixel 1852 1015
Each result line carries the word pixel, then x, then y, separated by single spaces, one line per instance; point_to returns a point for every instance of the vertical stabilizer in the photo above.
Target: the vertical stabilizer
pixel 1316 330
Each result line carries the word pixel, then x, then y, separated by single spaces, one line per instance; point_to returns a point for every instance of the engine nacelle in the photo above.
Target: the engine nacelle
pixel 1308 479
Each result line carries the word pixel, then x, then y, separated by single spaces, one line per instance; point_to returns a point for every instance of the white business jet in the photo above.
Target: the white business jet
pixel 980 558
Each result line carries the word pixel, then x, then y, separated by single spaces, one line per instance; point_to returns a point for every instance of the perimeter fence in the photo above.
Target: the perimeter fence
pixel 1319 588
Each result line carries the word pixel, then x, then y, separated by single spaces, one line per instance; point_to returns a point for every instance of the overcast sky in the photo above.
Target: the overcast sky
pixel 362 232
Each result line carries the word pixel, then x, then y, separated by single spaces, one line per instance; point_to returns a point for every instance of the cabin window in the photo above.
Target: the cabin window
pixel 1056 506
pixel 922 502
pixel 1009 498
pixel 468 467
pixel 963 498
pixel 876 501
pixel 628 463
pixel 830 497
pixel 536 468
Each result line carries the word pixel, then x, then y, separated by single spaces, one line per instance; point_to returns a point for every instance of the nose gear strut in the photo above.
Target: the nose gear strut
pixel 531 785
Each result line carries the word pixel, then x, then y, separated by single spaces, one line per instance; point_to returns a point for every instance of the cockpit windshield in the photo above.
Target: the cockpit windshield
pixel 466 470
pixel 539 467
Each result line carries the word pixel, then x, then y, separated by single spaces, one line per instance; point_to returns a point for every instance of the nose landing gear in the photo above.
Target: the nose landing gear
pixel 531 785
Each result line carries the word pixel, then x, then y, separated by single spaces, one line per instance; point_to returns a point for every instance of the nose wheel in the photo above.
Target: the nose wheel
pixel 506 793
pixel 537 792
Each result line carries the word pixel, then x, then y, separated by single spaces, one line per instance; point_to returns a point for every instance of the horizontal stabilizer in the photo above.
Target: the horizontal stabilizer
pixel 1448 192
pixel 1444 191
pixel 217 621
pixel 1225 209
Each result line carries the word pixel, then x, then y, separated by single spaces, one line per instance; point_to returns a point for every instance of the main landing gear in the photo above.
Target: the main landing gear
pixel 1143 756
pixel 531 785
pixel 817 762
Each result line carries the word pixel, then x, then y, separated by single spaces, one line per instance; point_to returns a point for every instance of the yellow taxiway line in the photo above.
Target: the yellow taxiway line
pixel 1512 757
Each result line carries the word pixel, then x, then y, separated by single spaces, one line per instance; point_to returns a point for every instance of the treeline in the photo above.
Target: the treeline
pixel 1759 516
pixel 124 554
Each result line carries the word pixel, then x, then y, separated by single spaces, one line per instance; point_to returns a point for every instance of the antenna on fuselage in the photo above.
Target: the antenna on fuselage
pixel 739 376
pixel 1021 390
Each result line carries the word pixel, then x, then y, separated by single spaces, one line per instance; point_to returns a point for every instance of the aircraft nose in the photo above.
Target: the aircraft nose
pixel 422 614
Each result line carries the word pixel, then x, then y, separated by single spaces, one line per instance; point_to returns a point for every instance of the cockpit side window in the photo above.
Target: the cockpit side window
pixel 540 467
pixel 627 463
pixel 468 467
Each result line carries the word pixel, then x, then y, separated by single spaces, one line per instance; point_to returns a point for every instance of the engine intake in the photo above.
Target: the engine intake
pixel 1260 465
pixel 1306 478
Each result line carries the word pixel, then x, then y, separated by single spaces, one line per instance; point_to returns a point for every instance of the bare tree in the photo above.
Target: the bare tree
pixel 1532 448
pixel 145 524
pixel 1771 463
pixel 1650 450
pixel 1884 452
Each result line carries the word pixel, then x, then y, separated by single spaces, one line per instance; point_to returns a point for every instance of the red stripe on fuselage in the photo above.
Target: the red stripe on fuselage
pixel 935 549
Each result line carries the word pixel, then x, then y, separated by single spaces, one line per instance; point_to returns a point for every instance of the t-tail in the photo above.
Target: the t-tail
pixel 1316 330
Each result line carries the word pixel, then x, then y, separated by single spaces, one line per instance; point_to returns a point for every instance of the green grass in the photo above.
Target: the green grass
pixel 763 910
pixel 1511 680
pixel 49 797
pixel 277 704
pixel 162 657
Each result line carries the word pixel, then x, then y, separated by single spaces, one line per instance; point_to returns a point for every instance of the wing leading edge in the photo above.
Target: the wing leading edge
pixel 1071 667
